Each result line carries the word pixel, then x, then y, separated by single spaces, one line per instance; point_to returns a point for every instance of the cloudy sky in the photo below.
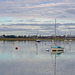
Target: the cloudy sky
pixel 27 17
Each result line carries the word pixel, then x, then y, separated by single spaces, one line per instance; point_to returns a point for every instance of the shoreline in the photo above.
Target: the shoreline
pixel 32 39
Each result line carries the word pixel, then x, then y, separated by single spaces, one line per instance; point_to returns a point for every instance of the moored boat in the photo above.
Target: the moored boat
pixel 56 47
pixel 38 40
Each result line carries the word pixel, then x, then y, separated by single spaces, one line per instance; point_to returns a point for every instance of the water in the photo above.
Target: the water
pixel 31 58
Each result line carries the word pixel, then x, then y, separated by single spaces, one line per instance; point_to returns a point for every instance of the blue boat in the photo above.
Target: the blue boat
pixel 38 40
pixel 57 48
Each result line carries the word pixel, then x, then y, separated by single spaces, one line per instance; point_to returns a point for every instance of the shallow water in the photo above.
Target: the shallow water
pixel 31 58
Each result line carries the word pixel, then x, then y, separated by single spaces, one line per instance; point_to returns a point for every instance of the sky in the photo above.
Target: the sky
pixel 27 17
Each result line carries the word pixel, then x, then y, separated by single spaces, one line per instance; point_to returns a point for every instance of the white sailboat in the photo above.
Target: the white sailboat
pixel 56 47
pixel 66 41
pixel 37 40
pixel 70 41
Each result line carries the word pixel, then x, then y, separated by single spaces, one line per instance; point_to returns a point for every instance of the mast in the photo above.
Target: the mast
pixel 70 35
pixel 65 35
pixel 55 31
pixel 37 34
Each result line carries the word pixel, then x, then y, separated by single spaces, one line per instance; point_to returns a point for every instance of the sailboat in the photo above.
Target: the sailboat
pixel 37 40
pixel 66 41
pixel 70 41
pixel 56 47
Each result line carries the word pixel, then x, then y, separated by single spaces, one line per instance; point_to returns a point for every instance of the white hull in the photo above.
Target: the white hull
pixel 56 52
pixel 57 49
pixel 70 41
pixel 38 40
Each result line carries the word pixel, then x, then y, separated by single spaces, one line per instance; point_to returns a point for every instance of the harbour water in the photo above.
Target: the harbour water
pixel 32 58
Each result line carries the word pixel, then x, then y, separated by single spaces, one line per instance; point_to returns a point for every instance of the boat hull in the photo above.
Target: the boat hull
pixel 38 41
pixel 57 49
pixel 57 52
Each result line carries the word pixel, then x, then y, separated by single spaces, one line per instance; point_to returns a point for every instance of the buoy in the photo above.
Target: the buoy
pixel 13 43
pixel 16 48
pixel 47 50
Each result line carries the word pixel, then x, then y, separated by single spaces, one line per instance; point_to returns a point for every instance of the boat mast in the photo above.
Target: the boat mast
pixel 65 34
pixel 55 31
pixel 37 34
pixel 70 36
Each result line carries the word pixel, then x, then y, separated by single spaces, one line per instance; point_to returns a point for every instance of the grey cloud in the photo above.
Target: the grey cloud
pixel 43 25
pixel 12 29
pixel 69 24
pixel 62 16
pixel 63 9
pixel 70 28
pixel 47 28
pixel 71 11
pixel 19 8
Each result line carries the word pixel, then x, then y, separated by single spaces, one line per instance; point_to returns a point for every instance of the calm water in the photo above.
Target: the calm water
pixel 31 58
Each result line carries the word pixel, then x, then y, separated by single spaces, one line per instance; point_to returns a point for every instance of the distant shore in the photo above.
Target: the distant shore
pixel 30 39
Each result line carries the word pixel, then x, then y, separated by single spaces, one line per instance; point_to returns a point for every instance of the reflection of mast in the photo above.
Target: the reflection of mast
pixel 36 48
pixel 55 66
pixel 70 47
pixel 56 53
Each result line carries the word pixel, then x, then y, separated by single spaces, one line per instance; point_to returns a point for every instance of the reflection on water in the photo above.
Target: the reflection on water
pixel 56 53
pixel 36 47
pixel 32 58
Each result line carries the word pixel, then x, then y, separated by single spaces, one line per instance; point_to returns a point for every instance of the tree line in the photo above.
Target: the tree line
pixel 35 36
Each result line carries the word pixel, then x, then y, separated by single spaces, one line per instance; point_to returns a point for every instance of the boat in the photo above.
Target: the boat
pixel 37 40
pixel 66 40
pixel 70 41
pixel 56 47
pixel 47 50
